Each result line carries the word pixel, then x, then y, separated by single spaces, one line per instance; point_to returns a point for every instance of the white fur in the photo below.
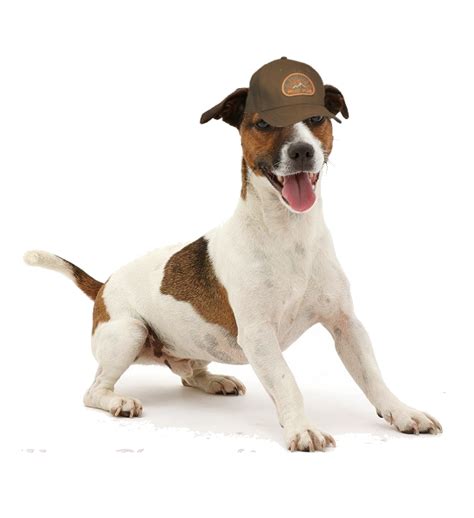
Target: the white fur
pixel 49 261
pixel 282 276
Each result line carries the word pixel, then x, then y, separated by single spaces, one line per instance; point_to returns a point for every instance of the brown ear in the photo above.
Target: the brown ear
pixel 230 110
pixel 334 101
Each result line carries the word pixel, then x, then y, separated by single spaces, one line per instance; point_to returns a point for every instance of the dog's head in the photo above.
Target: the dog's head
pixel 288 159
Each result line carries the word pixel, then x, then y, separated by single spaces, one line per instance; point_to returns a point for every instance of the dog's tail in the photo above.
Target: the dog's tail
pixel 53 262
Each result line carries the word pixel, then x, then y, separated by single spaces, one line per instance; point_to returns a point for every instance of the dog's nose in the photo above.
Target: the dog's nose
pixel 301 153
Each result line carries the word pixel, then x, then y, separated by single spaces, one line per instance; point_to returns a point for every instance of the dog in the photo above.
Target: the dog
pixel 245 291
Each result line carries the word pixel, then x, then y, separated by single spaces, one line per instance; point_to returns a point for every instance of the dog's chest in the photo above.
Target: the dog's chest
pixel 278 283
pixel 295 287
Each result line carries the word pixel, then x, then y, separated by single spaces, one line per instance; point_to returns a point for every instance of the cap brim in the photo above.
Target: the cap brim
pixel 287 115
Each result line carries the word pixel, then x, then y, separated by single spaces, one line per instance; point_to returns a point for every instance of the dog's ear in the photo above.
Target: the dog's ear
pixel 334 101
pixel 230 110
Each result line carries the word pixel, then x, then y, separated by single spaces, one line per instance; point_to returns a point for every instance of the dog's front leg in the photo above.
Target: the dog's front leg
pixel 355 350
pixel 260 344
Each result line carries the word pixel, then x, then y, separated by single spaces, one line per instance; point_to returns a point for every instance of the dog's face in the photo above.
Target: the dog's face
pixel 290 158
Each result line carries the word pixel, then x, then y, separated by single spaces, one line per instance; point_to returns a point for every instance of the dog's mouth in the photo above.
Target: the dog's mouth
pixel 297 190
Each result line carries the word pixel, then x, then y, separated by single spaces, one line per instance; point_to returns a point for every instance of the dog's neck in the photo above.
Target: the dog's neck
pixel 264 213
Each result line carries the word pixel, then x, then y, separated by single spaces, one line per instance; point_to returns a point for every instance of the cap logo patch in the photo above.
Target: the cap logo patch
pixel 297 84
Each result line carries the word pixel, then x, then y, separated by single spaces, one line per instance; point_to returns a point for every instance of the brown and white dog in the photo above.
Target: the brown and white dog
pixel 243 292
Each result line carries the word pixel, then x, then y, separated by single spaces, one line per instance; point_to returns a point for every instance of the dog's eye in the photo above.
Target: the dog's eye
pixel 261 124
pixel 317 119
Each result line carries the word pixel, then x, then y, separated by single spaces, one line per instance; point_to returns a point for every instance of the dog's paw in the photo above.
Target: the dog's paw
pixel 217 384
pixel 125 407
pixel 409 420
pixel 309 439
pixel 225 385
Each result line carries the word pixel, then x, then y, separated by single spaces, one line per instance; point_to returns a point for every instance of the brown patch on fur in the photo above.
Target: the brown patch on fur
pixel 189 277
pixel 155 343
pixel 84 281
pixel 323 132
pixel 99 313
pixel 261 148
pixel 243 190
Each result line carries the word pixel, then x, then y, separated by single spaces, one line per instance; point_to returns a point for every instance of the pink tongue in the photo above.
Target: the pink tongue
pixel 298 191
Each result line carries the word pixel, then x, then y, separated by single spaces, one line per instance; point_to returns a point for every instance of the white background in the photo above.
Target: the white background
pixel 102 158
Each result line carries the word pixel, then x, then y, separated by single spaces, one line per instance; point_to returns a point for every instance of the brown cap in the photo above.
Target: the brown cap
pixel 284 92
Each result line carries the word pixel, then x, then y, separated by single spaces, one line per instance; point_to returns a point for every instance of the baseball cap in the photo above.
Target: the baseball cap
pixel 284 92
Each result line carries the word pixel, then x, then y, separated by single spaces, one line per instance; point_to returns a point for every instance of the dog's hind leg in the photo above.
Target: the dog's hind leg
pixel 203 380
pixel 115 344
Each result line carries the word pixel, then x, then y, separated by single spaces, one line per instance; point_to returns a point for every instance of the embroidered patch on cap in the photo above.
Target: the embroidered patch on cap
pixel 297 84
